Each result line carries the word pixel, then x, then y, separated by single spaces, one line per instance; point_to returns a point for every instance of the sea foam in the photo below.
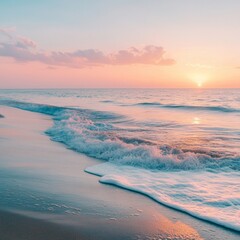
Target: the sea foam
pixel 205 195
pixel 95 134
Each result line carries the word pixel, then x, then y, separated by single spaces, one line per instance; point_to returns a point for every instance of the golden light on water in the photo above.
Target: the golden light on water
pixel 196 120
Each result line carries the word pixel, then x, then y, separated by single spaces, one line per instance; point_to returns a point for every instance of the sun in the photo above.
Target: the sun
pixel 199 79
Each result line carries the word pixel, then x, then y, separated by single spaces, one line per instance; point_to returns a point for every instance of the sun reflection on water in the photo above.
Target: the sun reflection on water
pixel 196 120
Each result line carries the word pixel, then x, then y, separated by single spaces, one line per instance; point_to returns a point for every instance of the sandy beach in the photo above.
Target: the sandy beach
pixel 45 194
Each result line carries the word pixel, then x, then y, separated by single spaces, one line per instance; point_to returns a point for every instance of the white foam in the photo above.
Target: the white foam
pixel 96 134
pixel 206 195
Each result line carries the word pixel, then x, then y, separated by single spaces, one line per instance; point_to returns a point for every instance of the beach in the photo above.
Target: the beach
pixel 45 194
pixel 119 120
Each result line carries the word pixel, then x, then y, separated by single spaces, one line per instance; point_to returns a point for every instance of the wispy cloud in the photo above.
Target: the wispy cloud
pixel 7 32
pixel 25 50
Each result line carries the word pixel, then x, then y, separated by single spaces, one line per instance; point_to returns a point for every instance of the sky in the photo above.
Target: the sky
pixel 120 43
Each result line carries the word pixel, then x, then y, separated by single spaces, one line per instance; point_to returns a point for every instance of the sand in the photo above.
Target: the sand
pixel 45 194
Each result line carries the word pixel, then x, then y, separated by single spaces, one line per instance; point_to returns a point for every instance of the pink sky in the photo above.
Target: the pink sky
pixel 172 47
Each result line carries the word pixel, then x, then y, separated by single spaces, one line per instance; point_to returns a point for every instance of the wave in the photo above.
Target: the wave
pixel 95 134
pixel 58 110
pixel 185 181
pixel 189 107
pixel 205 195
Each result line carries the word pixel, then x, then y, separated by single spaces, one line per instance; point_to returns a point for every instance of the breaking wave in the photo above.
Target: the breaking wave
pixel 95 134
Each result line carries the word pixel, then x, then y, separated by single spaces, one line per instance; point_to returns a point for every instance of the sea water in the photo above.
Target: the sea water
pixel 180 147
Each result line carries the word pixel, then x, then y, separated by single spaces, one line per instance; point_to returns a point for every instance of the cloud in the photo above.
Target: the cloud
pixel 26 43
pixel 7 32
pixel 25 50
pixel 147 55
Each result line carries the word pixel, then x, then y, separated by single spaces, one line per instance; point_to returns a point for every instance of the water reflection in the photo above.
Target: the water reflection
pixel 196 120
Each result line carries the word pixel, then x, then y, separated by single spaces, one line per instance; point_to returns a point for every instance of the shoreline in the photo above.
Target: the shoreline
pixel 115 213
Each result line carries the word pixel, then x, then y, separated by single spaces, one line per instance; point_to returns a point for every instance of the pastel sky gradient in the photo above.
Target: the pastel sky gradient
pixel 120 43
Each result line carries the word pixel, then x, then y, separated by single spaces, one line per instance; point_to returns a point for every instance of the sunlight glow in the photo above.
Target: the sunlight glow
pixel 199 79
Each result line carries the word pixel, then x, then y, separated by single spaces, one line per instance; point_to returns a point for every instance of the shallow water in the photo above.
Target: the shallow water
pixel 180 147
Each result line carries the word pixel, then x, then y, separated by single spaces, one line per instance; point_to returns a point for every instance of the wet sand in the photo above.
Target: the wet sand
pixel 45 194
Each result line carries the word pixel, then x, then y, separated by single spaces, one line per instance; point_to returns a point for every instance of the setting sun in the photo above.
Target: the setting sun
pixel 199 79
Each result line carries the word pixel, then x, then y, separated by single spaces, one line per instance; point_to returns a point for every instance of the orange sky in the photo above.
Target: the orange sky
pixel 38 75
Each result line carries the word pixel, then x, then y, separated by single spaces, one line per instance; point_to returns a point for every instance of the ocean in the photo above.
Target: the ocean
pixel 180 147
